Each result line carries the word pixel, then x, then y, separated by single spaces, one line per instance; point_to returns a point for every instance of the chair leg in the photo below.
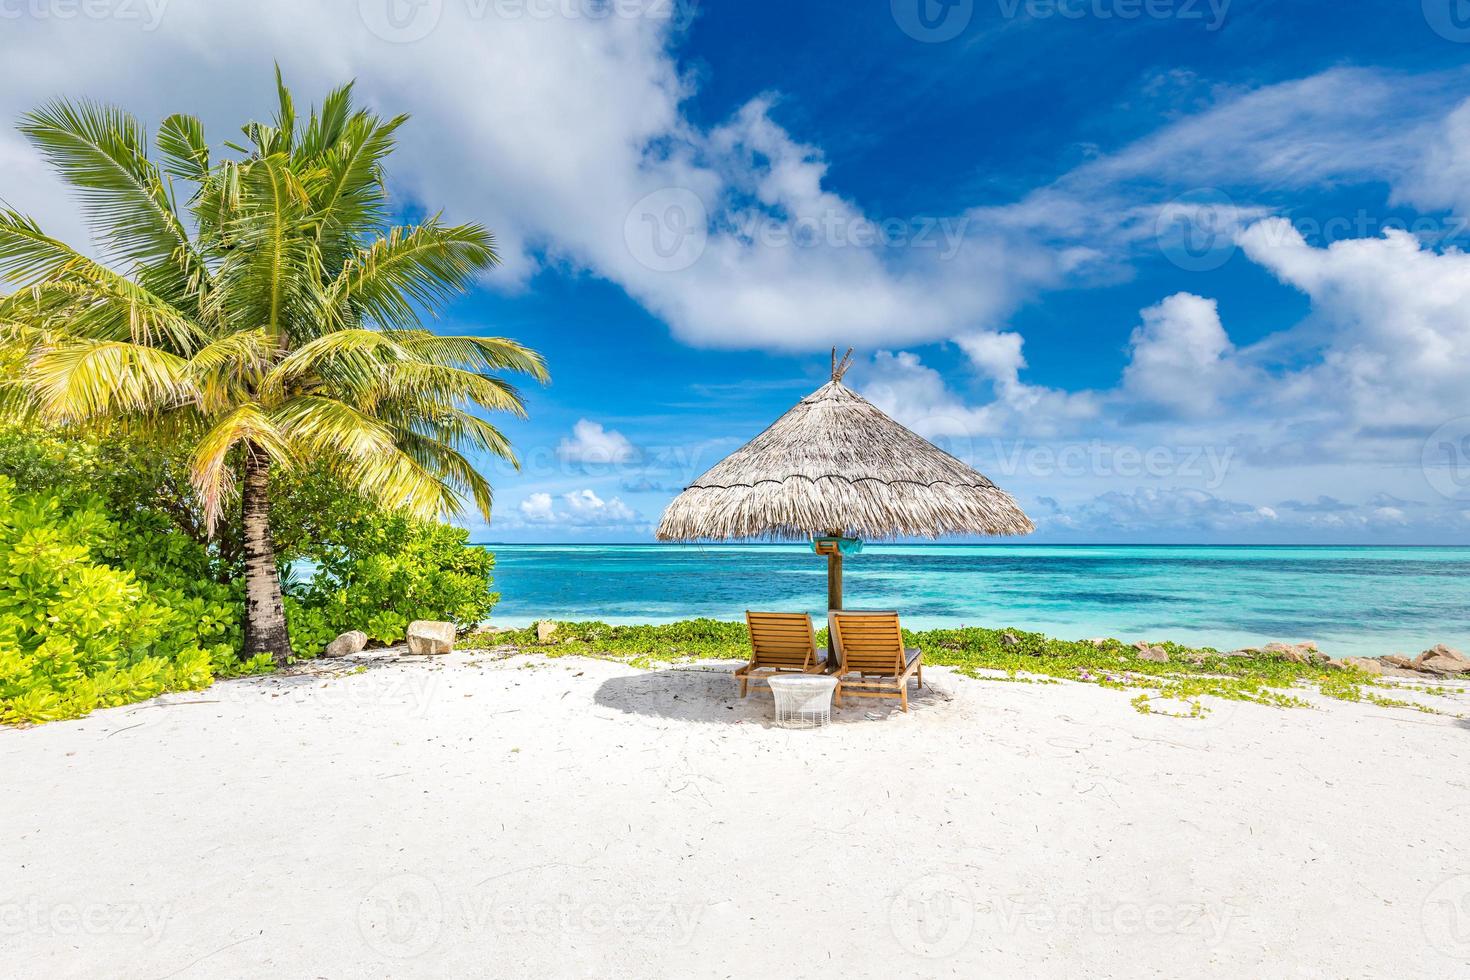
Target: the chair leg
pixel 903 697
pixel 743 682
pixel 920 673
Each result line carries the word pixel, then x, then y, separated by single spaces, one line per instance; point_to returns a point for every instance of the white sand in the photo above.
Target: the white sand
pixel 533 818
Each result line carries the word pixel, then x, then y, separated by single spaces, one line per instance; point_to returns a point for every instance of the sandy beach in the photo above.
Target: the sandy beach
pixel 509 815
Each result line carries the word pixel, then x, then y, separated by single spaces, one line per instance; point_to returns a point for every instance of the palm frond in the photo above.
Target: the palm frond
pixel 411 269
pixel 320 426
pixel 473 353
pixel 28 255
pixel 452 471
pixel 227 370
pixel 270 278
pixel 414 379
pixel 185 152
pixel 347 188
pixel 209 468
pixel 326 127
pixel 77 380
pixel 350 359
pixel 102 152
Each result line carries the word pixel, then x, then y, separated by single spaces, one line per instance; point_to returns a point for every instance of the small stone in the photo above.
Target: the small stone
pixel 1241 653
pixel 1010 640
pixel 427 638
pixel 1098 641
pixel 1367 665
pixel 1297 653
pixel 1401 662
pixel 1155 655
pixel 545 631
pixel 345 645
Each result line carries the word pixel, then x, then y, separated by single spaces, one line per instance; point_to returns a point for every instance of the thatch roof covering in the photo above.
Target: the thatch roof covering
pixel 836 464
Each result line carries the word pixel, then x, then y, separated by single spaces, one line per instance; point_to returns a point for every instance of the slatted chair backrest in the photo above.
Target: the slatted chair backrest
pixel 784 640
pixel 870 642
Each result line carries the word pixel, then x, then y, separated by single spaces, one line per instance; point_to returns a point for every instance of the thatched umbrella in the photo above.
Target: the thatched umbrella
pixel 836 470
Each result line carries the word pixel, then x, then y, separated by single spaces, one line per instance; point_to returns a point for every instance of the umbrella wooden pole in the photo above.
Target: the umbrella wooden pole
pixel 834 597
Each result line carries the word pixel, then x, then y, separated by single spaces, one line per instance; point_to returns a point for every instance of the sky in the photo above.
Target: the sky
pixel 1168 271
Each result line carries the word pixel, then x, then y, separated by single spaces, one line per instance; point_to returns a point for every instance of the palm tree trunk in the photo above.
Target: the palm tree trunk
pixel 265 613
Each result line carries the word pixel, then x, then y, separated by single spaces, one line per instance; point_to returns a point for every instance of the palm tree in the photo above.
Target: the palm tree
pixel 275 319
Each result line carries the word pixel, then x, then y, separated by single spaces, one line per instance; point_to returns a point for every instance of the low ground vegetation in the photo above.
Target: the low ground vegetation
pixel 1178 686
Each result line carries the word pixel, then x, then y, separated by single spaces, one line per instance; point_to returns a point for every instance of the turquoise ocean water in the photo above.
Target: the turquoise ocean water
pixel 1354 601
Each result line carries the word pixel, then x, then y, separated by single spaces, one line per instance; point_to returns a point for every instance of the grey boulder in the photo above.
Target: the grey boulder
pixel 427 638
pixel 345 645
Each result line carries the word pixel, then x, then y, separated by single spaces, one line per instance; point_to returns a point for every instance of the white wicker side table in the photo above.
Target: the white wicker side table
pixel 803 700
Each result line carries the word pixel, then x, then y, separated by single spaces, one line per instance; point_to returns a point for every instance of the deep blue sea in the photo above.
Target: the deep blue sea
pixel 1362 601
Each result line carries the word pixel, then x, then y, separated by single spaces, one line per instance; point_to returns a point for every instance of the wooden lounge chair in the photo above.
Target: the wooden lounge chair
pixel 871 659
pixel 780 642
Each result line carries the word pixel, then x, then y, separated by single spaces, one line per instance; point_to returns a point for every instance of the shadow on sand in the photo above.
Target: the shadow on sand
pixel 708 695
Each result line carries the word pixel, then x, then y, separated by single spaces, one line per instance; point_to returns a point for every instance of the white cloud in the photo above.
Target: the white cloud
pixel 1389 321
pixel 538 508
pixel 1182 361
pixel 1441 177
pixel 918 396
pixel 586 507
pixel 578 508
pixel 592 444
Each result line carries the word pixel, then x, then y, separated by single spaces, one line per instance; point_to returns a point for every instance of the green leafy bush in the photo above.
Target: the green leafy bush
pixel 130 509
pixel 380 571
pixel 78 634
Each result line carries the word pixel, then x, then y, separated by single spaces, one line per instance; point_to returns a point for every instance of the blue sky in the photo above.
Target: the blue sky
pixel 1167 270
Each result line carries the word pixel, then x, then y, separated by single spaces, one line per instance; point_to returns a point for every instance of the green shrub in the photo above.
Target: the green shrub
pixel 78 634
pixel 382 570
